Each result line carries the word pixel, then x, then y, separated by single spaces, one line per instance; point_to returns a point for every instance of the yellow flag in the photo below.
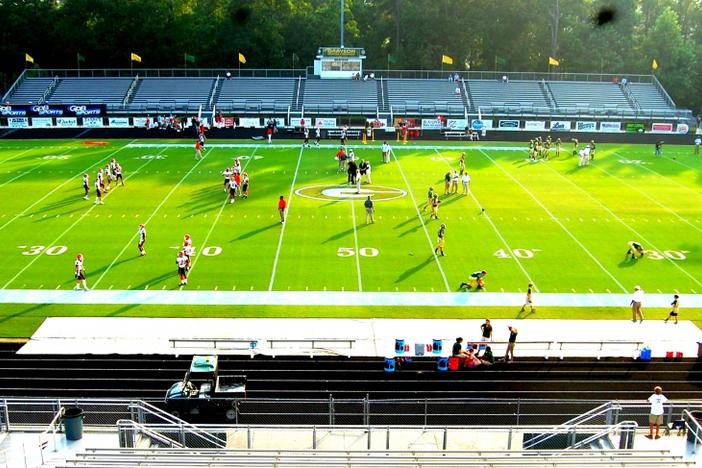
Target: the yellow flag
pixel 135 58
pixel 447 60
pixel 28 58
pixel 553 61
pixel 242 59
pixel 654 64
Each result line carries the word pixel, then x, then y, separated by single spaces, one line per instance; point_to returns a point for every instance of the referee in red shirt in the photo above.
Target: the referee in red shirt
pixel 281 208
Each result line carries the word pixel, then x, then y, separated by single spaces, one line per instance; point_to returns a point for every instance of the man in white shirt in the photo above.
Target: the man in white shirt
pixel 386 152
pixel 657 401
pixel 698 142
pixel 636 300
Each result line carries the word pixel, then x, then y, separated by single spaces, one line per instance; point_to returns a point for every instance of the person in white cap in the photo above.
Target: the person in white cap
pixel 636 300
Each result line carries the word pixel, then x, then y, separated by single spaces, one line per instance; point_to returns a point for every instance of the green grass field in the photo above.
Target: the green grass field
pixel 564 228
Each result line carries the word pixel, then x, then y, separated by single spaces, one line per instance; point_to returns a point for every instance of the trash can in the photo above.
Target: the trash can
pixel 442 364
pixel 389 364
pixel 695 416
pixel 73 423
pixel 437 346
pixel 399 346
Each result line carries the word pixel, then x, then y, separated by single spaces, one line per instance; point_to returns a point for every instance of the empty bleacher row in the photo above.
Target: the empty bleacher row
pixel 315 96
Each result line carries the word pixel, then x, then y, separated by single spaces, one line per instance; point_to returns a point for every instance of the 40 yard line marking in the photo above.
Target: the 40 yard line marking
pixel 419 215
pixel 69 228
pixel 70 179
pixel 556 220
pixel 497 231
pixel 168 195
pixel 282 229
pixel 17 155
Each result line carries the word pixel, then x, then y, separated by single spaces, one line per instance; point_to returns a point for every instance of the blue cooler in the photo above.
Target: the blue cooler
pixel 389 364
pixel 442 364
pixel 399 346
pixel 645 354
pixel 437 346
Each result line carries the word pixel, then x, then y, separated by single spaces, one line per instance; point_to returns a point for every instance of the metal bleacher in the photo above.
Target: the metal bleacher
pixel 31 90
pixel 428 96
pixel 649 97
pixel 340 96
pixel 589 96
pixel 110 91
pixel 171 94
pixel 256 94
pixel 515 96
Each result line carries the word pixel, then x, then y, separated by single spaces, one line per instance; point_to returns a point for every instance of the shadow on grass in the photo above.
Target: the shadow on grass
pixel 246 235
pixel 627 263
pixel 408 273
pixel 345 233
pixel 20 313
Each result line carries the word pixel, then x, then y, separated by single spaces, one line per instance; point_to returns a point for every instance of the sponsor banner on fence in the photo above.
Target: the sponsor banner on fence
pixel 92 122
pixel 42 122
pixel 431 124
pixel 456 124
pixel 634 127
pixel 508 125
pixel 683 128
pixel 588 126
pixel 610 126
pixel 249 122
pixel 66 122
pixel 560 125
pixel 534 125
pixel 118 122
pixel 305 122
pixel 139 121
pixel 662 127
pixel 229 122
pixel 279 122
pixel 487 124
pixel 325 122
pixel 18 122
pixel 378 123
pixel 53 110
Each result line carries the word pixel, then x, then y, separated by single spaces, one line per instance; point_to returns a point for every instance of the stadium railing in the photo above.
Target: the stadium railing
pixel 164 72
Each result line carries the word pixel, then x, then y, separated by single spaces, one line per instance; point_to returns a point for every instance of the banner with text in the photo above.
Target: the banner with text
pixel 52 110
pixel 611 127
pixel 662 127
pixel 118 122
pixel 249 122
pixel 18 122
pixel 508 124
pixel 42 122
pixel 93 122
pixel 560 125
pixel 66 122
pixel 377 123
pixel 456 124
pixel 483 125
pixel 431 124
pixel 325 122
pixel 587 126
pixel 140 122
pixel 535 125
pixel 683 128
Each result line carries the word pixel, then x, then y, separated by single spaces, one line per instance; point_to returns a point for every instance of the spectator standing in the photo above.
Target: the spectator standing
pixel 659 147
pixel 675 307
pixel 529 300
pixel 509 354
pixel 486 331
pixel 281 208
pixel 386 152
pixel 636 301
pixel 370 210
pixel 657 400
pixel 698 142
pixel 465 180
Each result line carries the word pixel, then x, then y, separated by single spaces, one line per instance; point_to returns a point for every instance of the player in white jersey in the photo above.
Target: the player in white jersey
pixel 98 193
pixel 245 185
pixel 79 273
pixel 233 189
pixel 237 166
pixel 188 248
pixel 108 177
pixel 86 185
pixel 142 239
pixel 113 166
pixel 227 173
pixel 317 135
pixel 100 180
pixel 306 134
pixel 118 175
pixel 182 262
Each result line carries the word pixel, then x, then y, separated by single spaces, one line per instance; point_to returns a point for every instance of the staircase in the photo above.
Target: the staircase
pixel 382 95
pixel 298 95
pixel 214 93
pixel 548 95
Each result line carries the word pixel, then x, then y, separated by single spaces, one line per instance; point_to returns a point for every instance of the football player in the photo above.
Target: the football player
pixel 86 185
pixel 635 248
pixel 79 273
pixel 182 262
pixel 142 239
pixel 441 238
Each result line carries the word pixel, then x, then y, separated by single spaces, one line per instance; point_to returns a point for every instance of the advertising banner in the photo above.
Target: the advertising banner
pixel 66 122
pixel 683 128
pixel 18 122
pixel 560 125
pixel 42 122
pixel 53 110
pixel 610 127
pixel 140 122
pixel 279 122
pixel 249 122
pixel 378 123
pixel 534 125
pixel 634 127
pixel 325 122
pixel 456 124
pixel 305 122
pixel 588 126
pixel 229 122
pixel 508 124
pixel 485 124
pixel 118 122
pixel 92 122
pixel 431 124
pixel 662 127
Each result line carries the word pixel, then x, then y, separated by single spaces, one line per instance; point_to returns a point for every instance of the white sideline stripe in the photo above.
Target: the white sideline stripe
pixel 287 219
pixel 497 231
pixel 355 244
pixel 70 179
pixel 419 215
pixel 25 173
pixel 131 240
pixel 557 221
pixel 69 228
pixel 336 298
pixel 331 146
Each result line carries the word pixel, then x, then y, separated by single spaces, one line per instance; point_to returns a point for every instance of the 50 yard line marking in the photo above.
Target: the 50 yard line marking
pixel 70 179
pixel 556 220
pixel 69 228
pixel 168 195
pixel 282 230
pixel 355 244
pixel 419 215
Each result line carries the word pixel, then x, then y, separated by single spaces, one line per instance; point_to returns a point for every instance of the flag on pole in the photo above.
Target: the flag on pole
pixel 28 58
pixel 189 58
pixel 135 57
pixel 81 58
pixel 242 59
pixel 447 60
pixel 654 64
pixel 553 61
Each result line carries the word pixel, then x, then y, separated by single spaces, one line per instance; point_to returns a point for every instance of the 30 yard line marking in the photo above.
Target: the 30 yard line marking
pixel 497 231
pixel 421 220
pixel 355 244
pixel 70 179
pixel 69 228
pixel 131 240
pixel 282 229
pixel 556 220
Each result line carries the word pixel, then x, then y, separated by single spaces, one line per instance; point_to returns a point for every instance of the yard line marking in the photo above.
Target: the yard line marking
pixel 69 228
pixel 497 231
pixel 355 243
pixel 557 221
pixel 666 177
pixel 17 155
pixel 70 179
pixel 282 229
pixel 131 240
pixel 628 225
pixel 419 215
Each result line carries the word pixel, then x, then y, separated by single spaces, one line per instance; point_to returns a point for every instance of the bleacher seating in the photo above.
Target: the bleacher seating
pixel 171 94
pixel 340 96
pixel 425 96
pixel 589 96
pixel 30 90
pixel 110 91
pixel 514 96
pixel 648 96
pixel 256 94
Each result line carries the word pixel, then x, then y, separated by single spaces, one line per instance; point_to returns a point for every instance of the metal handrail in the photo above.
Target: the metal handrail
pixel 54 427
pixel 624 426
pixel 17 82
pixel 577 421
pixel 141 428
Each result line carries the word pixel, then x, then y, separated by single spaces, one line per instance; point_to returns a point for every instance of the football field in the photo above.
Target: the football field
pixel 561 227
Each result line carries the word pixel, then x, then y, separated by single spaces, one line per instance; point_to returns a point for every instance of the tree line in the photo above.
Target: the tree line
pixel 504 35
